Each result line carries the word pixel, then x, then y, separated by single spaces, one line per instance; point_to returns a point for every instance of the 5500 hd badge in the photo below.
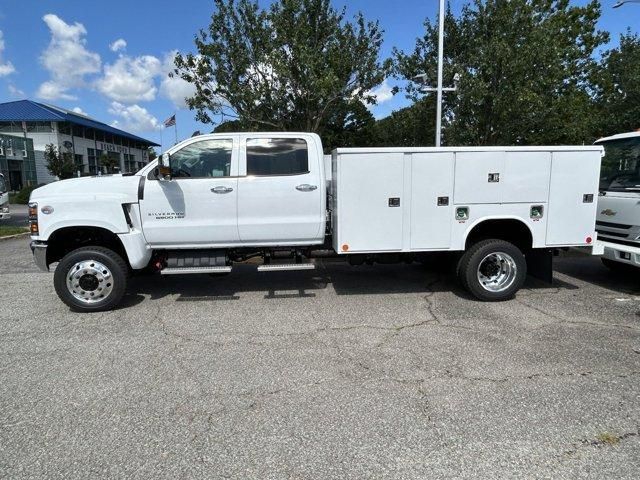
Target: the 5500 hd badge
pixel 167 215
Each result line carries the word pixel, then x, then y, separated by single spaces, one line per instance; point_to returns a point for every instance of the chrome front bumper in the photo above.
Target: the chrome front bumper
pixel 40 255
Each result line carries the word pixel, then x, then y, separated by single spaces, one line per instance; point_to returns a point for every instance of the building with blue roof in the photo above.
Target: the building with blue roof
pixel 27 127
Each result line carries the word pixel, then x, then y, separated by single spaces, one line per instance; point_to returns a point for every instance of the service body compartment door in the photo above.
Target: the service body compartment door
pixel 370 202
pixel 526 177
pixel 479 177
pixel 571 216
pixel 431 200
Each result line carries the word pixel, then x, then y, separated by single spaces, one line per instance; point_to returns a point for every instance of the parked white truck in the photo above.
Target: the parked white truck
pixel 618 221
pixel 5 213
pixel 216 200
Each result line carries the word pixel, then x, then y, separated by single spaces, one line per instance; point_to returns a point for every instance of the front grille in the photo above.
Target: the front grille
pixel 621 226
pixel 612 234
pixel 621 242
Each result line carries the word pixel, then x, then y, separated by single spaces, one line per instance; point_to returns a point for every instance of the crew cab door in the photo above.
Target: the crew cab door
pixel 198 206
pixel 281 195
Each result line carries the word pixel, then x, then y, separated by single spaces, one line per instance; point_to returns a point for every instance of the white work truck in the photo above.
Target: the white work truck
pixel 216 200
pixel 5 213
pixel 618 220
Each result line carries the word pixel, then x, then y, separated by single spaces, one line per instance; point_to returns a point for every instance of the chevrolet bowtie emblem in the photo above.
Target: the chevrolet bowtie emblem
pixel 608 212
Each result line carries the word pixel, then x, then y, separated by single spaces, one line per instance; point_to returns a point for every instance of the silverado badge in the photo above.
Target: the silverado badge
pixel 608 212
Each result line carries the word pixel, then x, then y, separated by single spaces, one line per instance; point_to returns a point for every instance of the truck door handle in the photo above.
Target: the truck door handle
pixel 305 187
pixel 222 189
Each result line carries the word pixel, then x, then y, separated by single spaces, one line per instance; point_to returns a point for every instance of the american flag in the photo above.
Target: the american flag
pixel 170 121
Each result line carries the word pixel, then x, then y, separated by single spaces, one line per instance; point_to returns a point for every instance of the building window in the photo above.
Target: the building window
pixel 91 160
pixel 277 156
pixel 78 161
pixel 129 164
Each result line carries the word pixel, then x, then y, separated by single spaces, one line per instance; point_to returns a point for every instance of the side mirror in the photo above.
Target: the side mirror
pixel 164 166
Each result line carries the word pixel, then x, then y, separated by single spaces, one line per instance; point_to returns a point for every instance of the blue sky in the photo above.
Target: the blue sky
pixel 109 59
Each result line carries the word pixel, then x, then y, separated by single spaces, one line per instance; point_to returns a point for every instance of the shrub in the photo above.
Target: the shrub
pixel 22 196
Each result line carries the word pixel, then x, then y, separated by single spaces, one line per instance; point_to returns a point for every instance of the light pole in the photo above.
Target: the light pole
pixel 422 77
pixel 622 2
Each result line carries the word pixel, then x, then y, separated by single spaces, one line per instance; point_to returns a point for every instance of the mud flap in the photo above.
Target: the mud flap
pixel 540 264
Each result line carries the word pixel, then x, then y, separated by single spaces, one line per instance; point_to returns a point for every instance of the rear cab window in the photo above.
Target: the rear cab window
pixel 277 156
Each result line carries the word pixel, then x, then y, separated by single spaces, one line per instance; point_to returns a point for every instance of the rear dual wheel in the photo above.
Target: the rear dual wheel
pixel 91 279
pixel 492 270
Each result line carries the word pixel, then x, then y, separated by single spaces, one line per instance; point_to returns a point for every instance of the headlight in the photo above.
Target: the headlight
pixel 33 218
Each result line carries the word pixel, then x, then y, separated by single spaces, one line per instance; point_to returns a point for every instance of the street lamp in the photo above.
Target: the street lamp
pixel 422 77
pixel 622 2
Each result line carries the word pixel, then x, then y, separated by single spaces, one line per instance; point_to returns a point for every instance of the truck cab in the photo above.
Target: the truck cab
pixel 4 199
pixel 230 190
pixel 618 219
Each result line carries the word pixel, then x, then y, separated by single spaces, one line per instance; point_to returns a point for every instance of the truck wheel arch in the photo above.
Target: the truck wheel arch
pixel 67 239
pixel 510 229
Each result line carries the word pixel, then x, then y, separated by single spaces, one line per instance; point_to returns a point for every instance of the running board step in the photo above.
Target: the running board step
pixel 286 266
pixel 185 270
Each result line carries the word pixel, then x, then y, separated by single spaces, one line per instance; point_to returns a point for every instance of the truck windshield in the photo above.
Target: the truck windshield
pixel 3 185
pixel 621 165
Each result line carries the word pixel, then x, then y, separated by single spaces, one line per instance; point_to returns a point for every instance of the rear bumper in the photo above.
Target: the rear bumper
pixel 40 255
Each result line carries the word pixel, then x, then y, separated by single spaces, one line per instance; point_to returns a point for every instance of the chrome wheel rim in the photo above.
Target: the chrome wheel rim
pixel 497 272
pixel 89 281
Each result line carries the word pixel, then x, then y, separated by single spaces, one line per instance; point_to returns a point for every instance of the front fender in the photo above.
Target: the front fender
pixel 103 214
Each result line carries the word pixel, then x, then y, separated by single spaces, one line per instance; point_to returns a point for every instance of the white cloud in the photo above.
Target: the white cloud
pixel 15 91
pixel 79 111
pixel 6 68
pixel 66 59
pixel 119 44
pixel 174 88
pixel 383 92
pixel 133 118
pixel 130 80
pixel 51 90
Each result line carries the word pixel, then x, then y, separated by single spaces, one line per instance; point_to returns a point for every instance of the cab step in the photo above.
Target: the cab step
pixel 285 267
pixel 186 270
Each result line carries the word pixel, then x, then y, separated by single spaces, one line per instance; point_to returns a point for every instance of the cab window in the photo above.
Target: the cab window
pixel 203 159
pixel 277 156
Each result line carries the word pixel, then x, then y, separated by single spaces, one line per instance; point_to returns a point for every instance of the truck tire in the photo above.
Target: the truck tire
pixel 91 279
pixel 492 270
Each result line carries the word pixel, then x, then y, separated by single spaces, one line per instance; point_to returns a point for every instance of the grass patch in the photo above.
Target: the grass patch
pixel 608 438
pixel 6 231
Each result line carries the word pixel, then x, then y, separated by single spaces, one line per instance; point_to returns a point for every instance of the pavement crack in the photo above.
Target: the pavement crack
pixel 576 322
pixel 602 440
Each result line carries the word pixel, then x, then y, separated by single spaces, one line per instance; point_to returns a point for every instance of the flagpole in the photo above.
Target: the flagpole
pixel 175 126
pixel 161 148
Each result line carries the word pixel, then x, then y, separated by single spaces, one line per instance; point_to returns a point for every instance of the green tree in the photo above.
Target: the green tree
pixel 292 66
pixel 618 87
pixel 151 153
pixel 411 126
pixel 59 164
pixel 109 163
pixel 525 67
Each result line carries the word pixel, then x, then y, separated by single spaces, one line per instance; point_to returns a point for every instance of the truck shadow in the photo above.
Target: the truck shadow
pixel 345 280
pixel 591 270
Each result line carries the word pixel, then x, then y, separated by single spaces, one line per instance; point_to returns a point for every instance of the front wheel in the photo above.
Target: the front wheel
pixel 492 270
pixel 91 279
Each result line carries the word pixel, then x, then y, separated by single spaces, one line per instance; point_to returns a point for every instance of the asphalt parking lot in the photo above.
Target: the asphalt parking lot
pixel 342 372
